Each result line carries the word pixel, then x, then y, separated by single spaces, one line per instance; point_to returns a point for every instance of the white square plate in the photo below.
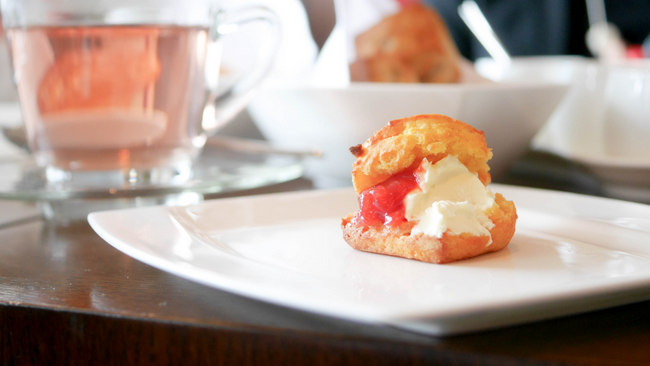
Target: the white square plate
pixel 570 254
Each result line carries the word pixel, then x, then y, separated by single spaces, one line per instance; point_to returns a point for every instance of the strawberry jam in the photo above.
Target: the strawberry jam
pixel 383 204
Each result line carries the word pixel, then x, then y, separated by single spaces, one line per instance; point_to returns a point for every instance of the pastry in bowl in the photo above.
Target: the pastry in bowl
pixel 423 194
pixel 411 46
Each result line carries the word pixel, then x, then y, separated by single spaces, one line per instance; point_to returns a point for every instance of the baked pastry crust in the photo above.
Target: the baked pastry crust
pixel 412 45
pixel 401 145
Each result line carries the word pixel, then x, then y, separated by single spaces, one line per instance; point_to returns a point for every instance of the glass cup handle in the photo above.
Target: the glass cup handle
pixel 224 105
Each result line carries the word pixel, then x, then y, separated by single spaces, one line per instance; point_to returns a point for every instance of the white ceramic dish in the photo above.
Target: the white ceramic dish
pixel 622 177
pixel 570 254
pixel 604 120
pixel 334 118
pixel 626 170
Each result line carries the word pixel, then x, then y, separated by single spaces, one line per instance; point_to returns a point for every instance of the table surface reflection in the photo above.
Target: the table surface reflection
pixel 68 297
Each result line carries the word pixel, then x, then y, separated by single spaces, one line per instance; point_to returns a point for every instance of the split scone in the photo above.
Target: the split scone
pixel 422 185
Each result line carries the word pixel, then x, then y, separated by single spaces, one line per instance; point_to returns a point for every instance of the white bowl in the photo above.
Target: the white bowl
pixel 604 119
pixel 558 69
pixel 333 119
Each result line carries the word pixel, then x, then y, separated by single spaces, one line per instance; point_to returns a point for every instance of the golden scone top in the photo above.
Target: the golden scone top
pixel 403 143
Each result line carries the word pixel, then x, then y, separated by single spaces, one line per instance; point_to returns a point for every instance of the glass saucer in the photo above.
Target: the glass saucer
pixel 217 170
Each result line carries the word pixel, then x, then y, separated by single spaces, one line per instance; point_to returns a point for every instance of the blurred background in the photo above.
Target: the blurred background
pixel 589 137
pixel 526 27
pixel 545 27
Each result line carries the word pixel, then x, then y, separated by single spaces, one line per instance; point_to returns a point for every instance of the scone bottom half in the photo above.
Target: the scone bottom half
pixel 433 160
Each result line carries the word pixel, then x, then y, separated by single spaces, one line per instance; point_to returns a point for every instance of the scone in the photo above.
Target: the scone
pixel 422 185
pixel 413 45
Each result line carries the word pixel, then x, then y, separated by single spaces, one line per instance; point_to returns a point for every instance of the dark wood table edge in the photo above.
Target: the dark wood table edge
pixel 63 336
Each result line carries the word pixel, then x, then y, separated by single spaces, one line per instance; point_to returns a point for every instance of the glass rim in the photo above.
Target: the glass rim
pixel 26 13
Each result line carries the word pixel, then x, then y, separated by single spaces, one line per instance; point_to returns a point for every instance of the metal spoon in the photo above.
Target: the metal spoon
pixel 603 39
pixel 475 20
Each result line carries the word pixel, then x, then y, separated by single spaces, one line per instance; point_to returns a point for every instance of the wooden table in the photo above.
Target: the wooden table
pixel 67 297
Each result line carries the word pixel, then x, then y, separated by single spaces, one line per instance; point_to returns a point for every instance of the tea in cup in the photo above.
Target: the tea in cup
pixel 119 92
